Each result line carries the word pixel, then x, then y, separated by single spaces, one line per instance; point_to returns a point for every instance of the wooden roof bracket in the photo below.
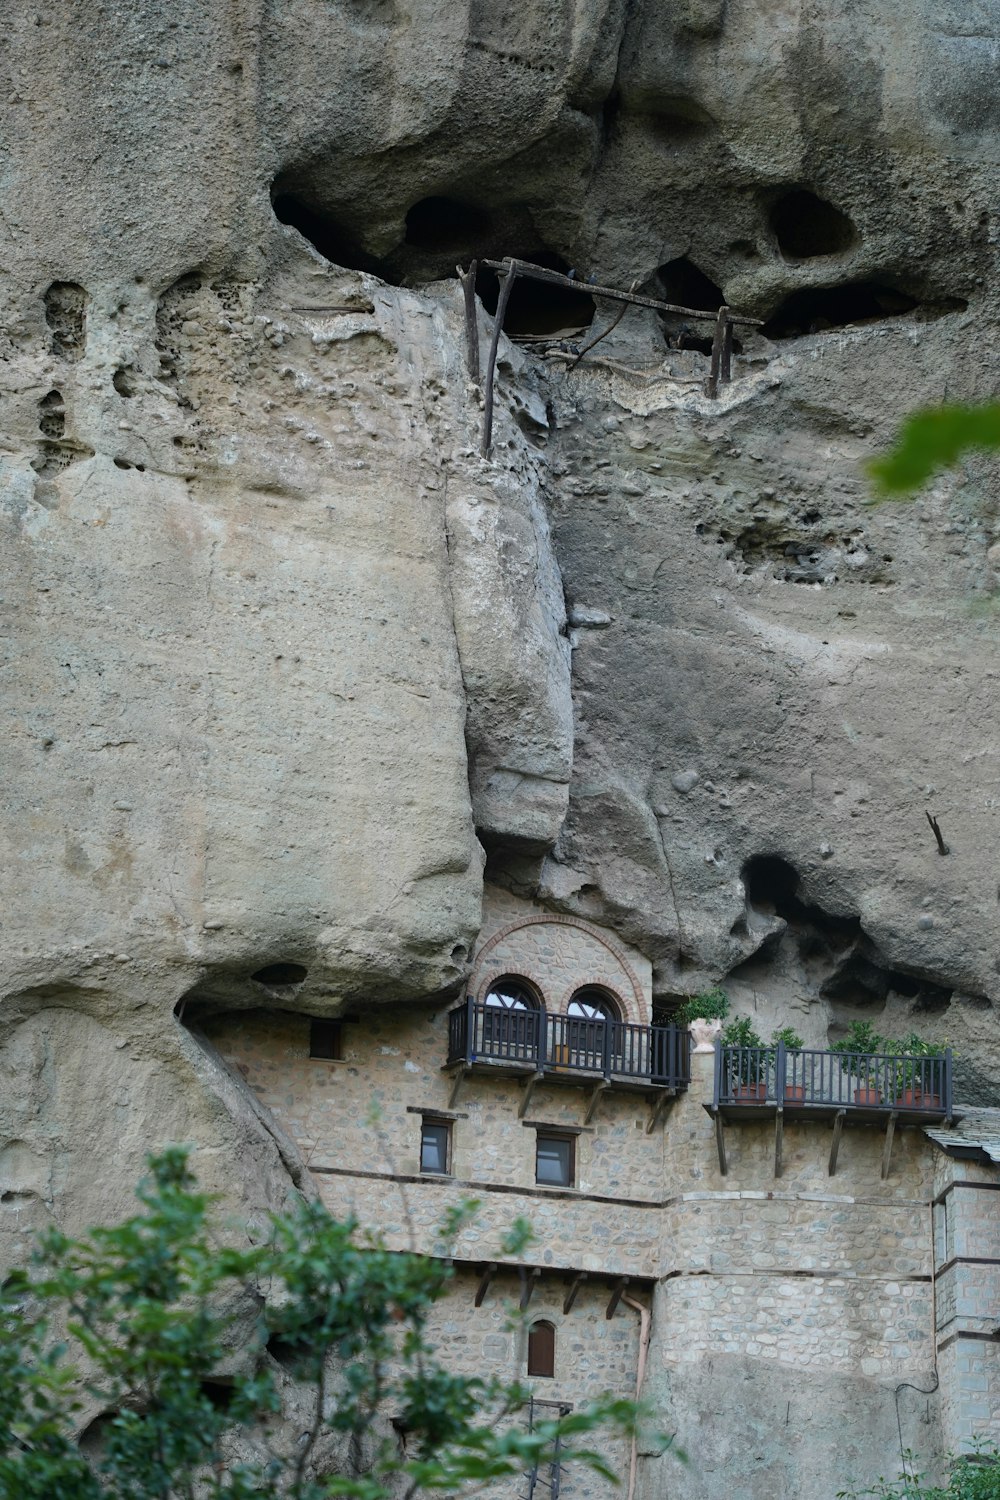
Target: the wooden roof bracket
pixel 616 1296
pixel 529 1086
pixel 720 1143
pixel 658 1108
pixel 484 1283
pixel 890 1130
pixel 595 1095
pixel 456 1085
pixel 779 1139
pixel 529 1278
pixel 574 1288
pixel 838 1125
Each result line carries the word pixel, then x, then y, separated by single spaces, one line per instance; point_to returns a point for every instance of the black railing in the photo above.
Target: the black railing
pixel 569 1044
pixel 793 1076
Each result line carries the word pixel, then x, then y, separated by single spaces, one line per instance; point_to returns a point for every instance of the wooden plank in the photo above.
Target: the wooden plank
pixel 574 1289
pixel 484 1283
pixel 529 1088
pixel 779 1132
pixel 717 342
pixel 556 278
pixel 838 1125
pixel 528 1285
pixel 890 1130
pixel 726 372
pixel 456 1086
pixel 720 1142
pixel 596 1093
pixel 616 1296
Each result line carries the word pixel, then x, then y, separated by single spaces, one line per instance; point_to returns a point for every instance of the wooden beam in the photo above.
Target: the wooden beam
pixel 468 280
pixel 484 1283
pixel 528 1284
pixel 506 287
pixel 556 278
pixel 529 1086
pixel 720 1143
pixel 616 1296
pixel 574 1288
pixel 838 1125
pixel 890 1131
pixel 658 1107
pixel 456 1086
pixel 717 343
pixel 595 1095
pixel 779 1139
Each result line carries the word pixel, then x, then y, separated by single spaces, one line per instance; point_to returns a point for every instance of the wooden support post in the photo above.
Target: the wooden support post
pixel 484 1283
pixel 468 280
pixel 529 1086
pixel 838 1125
pixel 528 1284
pixel 779 1131
pixel 657 1109
pixel 616 1296
pixel 574 1288
pixel 726 371
pixel 712 389
pixel 507 280
pixel 720 1141
pixel 890 1131
pixel 456 1085
pixel 595 1095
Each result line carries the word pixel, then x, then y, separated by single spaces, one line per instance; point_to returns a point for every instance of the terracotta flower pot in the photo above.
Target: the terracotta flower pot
pixel 795 1093
pixel 869 1097
pixel 750 1091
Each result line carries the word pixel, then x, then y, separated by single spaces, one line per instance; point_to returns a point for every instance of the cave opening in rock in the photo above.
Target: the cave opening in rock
pixel 536 307
pixel 446 224
pixel 326 235
pixel 821 309
pixel 684 283
pixel 772 885
pixel 806 226
pixel 279 974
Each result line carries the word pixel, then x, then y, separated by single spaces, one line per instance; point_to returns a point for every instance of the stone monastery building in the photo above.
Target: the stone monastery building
pixel 795 1283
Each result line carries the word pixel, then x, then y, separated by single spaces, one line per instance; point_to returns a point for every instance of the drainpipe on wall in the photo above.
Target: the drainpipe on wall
pixel 645 1332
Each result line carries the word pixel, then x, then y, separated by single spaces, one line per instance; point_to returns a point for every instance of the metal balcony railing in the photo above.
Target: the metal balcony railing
pixel 569 1044
pixel 794 1077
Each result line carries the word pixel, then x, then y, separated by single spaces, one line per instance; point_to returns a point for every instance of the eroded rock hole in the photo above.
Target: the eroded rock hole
pixel 277 975
pixel 772 885
pixel 123 381
pixel 684 283
pixel 439 224
pixel 52 415
pixel 806 226
pixel 821 309
pixel 536 308
pixel 335 243
pixel 66 316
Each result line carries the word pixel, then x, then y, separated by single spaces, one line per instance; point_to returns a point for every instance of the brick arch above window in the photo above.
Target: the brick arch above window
pixel 628 991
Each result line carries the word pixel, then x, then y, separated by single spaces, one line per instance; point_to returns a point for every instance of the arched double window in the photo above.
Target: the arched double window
pixel 542 1349
pixel 512 1020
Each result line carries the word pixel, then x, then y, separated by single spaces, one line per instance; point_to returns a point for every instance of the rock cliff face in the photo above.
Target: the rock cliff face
pixel 284 656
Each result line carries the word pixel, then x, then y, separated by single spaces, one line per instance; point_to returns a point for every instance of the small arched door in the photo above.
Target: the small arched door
pixel 542 1349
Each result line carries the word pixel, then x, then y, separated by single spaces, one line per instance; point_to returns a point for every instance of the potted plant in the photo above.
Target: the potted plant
pixel 909 1074
pixel 703 1015
pixel 748 1063
pixel 861 1041
pixel 794 1093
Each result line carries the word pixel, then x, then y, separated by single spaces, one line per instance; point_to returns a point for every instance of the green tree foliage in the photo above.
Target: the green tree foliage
pixel 134 1318
pixel 934 439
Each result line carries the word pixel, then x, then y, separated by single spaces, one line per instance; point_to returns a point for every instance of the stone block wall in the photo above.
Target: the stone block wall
pixel 967 1284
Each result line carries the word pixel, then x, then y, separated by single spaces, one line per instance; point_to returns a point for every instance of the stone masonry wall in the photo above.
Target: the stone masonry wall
pixel 967 1268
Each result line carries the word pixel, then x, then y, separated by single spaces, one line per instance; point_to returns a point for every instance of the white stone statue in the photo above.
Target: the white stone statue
pixel 705 1034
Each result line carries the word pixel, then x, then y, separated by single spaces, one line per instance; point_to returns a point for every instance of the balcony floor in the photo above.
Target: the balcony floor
pixel 856 1114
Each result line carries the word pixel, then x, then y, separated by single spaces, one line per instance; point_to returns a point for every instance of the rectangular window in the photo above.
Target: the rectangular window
pixel 325 1040
pixel 554 1159
pixel 435 1146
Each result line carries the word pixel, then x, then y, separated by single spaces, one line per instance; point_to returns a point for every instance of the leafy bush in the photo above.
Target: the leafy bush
pixel 973 1476
pixel 142 1306
pixel 788 1035
pixel 710 1005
